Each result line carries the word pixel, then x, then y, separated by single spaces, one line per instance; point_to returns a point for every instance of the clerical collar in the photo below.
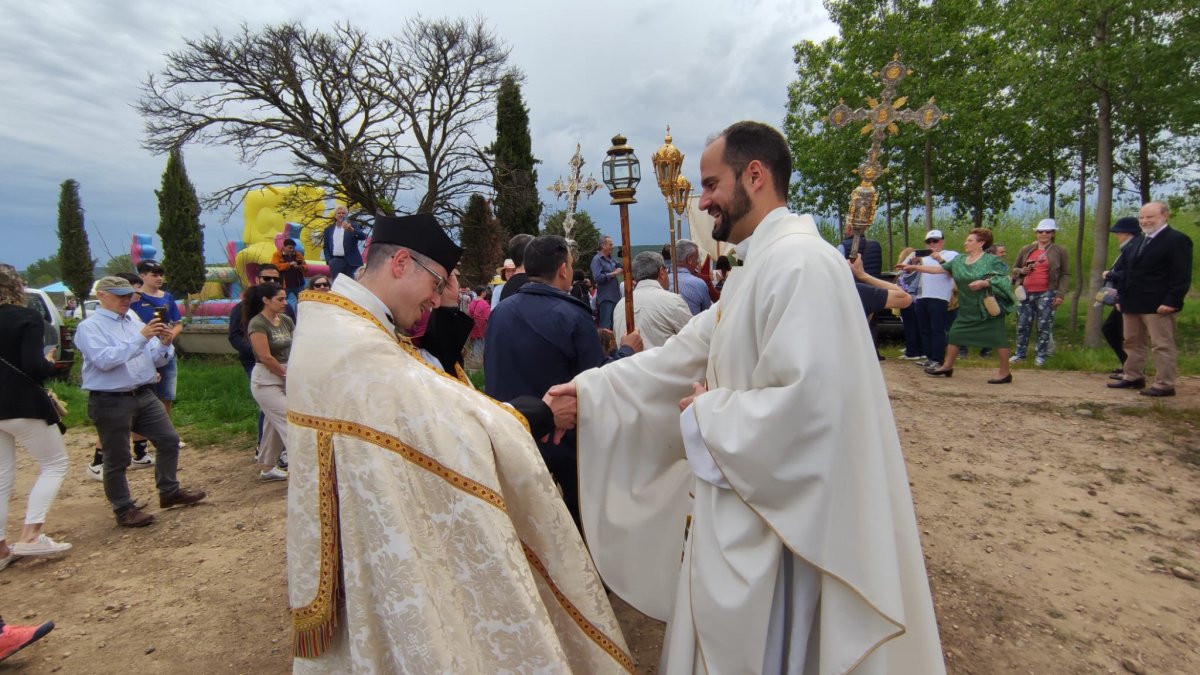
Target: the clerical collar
pixel 358 294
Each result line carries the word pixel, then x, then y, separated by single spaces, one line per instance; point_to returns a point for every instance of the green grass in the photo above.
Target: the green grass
pixel 1015 230
pixel 213 403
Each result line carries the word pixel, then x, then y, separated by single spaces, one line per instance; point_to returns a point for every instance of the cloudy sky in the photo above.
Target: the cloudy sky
pixel 73 68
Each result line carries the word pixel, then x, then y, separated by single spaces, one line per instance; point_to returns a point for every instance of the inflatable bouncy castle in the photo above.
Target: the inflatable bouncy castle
pixel 271 214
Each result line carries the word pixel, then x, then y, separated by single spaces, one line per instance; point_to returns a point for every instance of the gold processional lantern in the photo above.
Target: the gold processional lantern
pixel 668 161
pixel 622 172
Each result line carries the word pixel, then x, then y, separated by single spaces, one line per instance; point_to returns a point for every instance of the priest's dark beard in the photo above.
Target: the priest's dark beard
pixel 736 210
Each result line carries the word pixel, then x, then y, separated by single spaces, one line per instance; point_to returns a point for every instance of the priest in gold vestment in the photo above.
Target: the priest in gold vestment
pixel 802 555
pixel 425 534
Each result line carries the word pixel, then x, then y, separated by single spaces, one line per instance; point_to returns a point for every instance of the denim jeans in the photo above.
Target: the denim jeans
pixel 934 321
pixel 115 417
pixel 1037 307
pixel 606 313
pixel 912 332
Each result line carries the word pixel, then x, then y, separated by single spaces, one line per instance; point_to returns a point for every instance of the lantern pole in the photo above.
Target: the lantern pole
pixel 621 174
pixel 667 162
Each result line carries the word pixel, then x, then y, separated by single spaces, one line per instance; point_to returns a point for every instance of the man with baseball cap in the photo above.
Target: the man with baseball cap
pixel 933 298
pixel 1042 269
pixel 121 356
pixel 417 506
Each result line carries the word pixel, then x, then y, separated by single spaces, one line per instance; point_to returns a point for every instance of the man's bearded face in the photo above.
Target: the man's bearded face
pixel 726 214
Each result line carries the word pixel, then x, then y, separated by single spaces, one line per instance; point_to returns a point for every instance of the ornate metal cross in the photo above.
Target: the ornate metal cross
pixel 882 117
pixel 571 189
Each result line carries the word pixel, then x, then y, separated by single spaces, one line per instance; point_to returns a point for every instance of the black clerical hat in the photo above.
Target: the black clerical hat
pixel 420 233
pixel 1126 225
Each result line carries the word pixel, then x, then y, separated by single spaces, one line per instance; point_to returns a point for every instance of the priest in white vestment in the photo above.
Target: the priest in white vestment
pixel 425 534
pixel 657 313
pixel 802 554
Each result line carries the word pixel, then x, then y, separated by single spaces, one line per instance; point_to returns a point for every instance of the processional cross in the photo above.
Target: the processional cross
pixel 571 189
pixel 882 118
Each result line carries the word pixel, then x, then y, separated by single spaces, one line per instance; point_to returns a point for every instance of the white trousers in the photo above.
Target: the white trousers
pixel 45 443
pixel 268 391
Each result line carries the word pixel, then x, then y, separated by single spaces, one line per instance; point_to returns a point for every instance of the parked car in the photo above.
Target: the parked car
pixel 56 334
pixel 887 323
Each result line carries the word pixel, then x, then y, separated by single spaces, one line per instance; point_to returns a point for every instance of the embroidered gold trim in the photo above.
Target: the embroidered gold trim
pixel 389 442
pixel 313 624
pixel 407 345
pixel 595 634
pixel 321 605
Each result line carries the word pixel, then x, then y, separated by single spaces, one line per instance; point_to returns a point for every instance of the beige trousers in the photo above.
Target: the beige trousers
pixel 1150 332
pixel 268 391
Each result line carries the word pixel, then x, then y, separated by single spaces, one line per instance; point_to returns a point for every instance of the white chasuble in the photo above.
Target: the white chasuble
pixel 798 422
pixel 425 534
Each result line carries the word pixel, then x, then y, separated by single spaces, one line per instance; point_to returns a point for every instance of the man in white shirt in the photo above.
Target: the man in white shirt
pixel 933 299
pixel 657 312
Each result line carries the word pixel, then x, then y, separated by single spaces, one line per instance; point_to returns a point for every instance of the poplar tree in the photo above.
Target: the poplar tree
pixel 180 229
pixel 514 178
pixel 74 254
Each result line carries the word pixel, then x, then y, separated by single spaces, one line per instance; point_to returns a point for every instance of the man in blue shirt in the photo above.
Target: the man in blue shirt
pixel 121 357
pixel 691 287
pixel 606 274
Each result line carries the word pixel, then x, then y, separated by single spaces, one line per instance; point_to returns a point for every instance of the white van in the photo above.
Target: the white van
pixel 56 334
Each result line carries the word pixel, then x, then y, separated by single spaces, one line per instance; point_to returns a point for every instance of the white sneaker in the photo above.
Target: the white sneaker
pixel 273 475
pixel 43 546
pixel 1014 358
pixel 145 462
pixel 1039 361
pixel 182 444
pixel 913 358
pixel 95 471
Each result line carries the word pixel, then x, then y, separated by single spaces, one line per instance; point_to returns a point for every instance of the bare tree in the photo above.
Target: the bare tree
pixel 364 119
pixel 443 78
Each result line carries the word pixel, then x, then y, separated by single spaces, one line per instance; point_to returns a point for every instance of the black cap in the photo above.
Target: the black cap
pixel 420 233
pixel 149 265
pixel 1126 225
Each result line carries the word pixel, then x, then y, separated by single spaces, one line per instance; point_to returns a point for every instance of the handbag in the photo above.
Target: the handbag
pixel 1019 291
pixel 1107 295
pixel 60 407
pixel 991 304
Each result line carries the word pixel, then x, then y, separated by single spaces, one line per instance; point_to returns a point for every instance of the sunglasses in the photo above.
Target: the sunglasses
pixel 1044 231
pixel 932 241
pixel 321 285
pixel 273 280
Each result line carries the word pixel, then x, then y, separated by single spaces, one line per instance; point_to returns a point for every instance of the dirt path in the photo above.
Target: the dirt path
pixel 1052 511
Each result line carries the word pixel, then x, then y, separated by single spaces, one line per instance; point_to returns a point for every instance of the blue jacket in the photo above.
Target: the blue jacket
pixel 350 240
pixel 538 338
pixel 608 287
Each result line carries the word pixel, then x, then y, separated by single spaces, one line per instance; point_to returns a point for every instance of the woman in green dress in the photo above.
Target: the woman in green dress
pixel 978 274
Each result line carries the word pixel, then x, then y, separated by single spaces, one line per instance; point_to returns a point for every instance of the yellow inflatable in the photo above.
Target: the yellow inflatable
pixel 267 212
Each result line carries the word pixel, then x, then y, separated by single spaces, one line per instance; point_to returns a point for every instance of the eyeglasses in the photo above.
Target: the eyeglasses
pixel 1044 231
pixel 273 280
pixel 321 285
pixel 441 280
pixel 932 241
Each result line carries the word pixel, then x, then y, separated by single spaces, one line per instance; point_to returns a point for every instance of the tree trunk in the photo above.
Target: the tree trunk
pixel 1143 163
pixel 1053 186
pixel 1079 235
pixel 1104 182
pixel 928 171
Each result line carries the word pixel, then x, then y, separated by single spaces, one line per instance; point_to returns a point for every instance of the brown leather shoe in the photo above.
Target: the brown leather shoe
pixel 134 517
pixel 1127 384
pixel 181 497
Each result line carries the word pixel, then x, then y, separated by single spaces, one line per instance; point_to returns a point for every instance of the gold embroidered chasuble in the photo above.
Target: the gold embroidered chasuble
pixel 425 534
pixel 798 422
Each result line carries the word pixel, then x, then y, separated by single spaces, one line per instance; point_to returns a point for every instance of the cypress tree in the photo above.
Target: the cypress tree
pixel 514 178
pixel 74 254
pixel 482 241
pixel 180 229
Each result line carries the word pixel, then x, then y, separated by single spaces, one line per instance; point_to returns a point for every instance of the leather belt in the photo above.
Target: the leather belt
pixel 131 392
